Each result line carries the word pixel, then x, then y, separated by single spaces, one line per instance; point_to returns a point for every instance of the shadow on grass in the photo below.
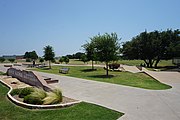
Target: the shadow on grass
pixel 45 68
pixel 101 76
pixel 88 70
pixel 169 68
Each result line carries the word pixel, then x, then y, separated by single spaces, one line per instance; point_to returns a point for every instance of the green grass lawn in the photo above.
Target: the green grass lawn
pixel 162 63
pixel 140 80
pixel 82 111
pixel 75 62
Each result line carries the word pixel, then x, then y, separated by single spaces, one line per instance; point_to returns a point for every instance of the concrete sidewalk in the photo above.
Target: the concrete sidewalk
pixel 136 103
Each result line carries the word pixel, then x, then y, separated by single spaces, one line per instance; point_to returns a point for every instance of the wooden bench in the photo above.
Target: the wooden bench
pixel 64 70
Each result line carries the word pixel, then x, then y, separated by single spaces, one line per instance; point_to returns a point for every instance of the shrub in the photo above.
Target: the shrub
pixel 35 97
pixel 53 97
pixel 39 93
pixel 16 91
pixel 32 100
pixel 25 91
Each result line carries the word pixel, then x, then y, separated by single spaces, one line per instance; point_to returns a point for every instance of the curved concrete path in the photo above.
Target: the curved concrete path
pixel 136 103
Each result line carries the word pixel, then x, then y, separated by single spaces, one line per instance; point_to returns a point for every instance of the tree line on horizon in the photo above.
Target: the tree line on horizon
pixel 151 47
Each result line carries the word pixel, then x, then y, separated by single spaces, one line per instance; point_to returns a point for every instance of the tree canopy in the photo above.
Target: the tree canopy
pixel 107 47
pixel 103 48
pixel 31 55
pixel 153 46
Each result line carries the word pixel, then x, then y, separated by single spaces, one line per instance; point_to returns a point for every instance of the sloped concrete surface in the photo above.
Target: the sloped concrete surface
pixel 132 69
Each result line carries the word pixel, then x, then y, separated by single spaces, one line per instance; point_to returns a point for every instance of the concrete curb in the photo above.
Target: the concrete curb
pixel 30 106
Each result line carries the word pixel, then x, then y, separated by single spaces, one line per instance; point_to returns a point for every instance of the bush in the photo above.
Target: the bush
pixel 35 97
pixel 16 91
pixel 39 93
pixel 32 100
pixel 25 91
pixel 53 97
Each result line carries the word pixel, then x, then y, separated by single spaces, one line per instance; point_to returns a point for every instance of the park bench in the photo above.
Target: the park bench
pixel 64 70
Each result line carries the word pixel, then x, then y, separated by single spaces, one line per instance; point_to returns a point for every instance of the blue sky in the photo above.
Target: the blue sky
pixel 27 25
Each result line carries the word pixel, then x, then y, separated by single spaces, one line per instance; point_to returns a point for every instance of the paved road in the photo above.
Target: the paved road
pixel 136 103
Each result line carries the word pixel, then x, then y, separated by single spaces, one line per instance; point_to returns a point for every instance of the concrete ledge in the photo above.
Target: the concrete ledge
pixel 30 106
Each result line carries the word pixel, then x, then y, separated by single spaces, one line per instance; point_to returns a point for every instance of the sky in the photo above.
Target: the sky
pixel 27 25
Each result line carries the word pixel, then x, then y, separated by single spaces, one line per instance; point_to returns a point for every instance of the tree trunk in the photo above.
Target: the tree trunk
pixel 150 63
pixel 107 69
pixel 92 65
pixel 156 63
pixel 49 64
pixel 147 64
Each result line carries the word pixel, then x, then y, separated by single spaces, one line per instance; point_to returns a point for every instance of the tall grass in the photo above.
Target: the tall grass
pixel 53 97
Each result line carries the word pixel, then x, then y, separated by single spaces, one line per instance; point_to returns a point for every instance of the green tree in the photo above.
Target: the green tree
pixel 106 48
pixel 31 56
pixel 2 59
pixel 41 60
pixel 49 54
pixel 78 55
pixel 66 60
pixel 27 55
pixel 90 52
pixel 84 58
pixel 153 46
pixel 61 60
